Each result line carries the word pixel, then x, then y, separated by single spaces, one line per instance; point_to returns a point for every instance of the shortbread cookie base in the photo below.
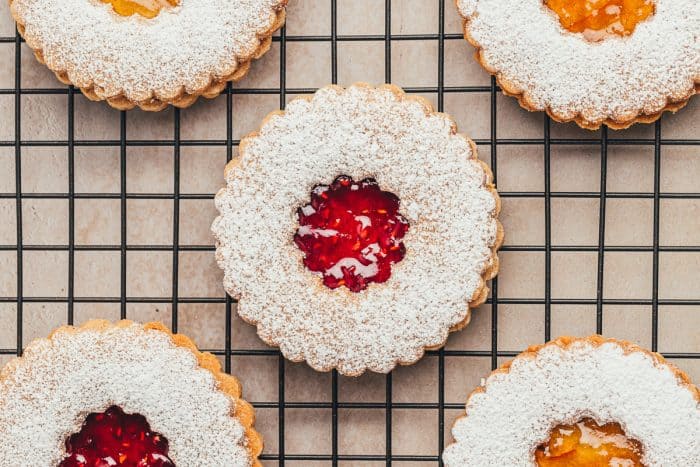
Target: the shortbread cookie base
pixel 490 269
pixel 510 89
pixel 227 384
pixel 185 98
pixel 596 340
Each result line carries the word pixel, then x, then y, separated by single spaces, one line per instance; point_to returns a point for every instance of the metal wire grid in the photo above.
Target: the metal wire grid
pixel 489 145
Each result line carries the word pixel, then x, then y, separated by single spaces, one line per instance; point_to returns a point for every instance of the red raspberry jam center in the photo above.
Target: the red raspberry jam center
pixel 351 233
pixel 115 438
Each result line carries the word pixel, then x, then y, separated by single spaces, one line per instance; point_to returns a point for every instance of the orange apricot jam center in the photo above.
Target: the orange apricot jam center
pixel 587 444
pixel 145 8
pixel 598 19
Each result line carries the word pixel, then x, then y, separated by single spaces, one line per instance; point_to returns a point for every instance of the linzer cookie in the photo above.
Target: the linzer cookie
pixel 122 394
pixel 594 62
pixel 580 402
pixel 149 53
pixel 357 229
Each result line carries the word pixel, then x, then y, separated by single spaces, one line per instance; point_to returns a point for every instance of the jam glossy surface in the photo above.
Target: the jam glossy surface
pixel 351 233
pixel 598 19
pixel 145 8
pixel 114 438
pixel 587 444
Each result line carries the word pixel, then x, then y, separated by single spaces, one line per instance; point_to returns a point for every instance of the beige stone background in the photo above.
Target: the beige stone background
pixel 82 191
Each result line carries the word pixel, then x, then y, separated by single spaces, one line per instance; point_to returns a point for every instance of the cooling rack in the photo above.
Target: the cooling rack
pixel 283 415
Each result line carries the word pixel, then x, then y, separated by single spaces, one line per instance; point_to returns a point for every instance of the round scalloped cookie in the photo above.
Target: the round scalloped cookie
pixel 618 81
pixel 446 195
pixel 559 383
pixel 46 394
pixel 189 50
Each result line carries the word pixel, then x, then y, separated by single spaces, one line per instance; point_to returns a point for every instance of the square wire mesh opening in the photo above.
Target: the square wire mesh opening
pixel 106 214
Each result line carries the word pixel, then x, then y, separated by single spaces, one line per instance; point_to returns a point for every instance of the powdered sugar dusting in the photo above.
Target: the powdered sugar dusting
pixel 46 395
pixel 183 47
pixel 518 409
pixel 523 41
pixel 361 132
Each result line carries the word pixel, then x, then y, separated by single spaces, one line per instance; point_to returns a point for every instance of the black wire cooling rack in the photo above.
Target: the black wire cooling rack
pixel 489 146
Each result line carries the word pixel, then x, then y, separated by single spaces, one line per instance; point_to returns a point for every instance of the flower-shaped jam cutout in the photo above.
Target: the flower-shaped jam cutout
pixel 351 233
pixel 598 19
pixel 145 8
pixel 114 438
pixel 586 443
